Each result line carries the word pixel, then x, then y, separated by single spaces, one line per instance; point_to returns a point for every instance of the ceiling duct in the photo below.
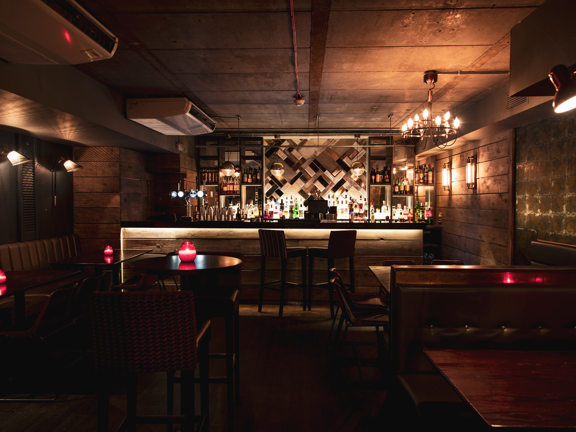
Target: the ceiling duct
pixel 169 116
pixel 52 32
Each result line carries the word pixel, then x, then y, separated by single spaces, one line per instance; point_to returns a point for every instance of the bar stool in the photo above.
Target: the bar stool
pixel 273 245
pixel 341 244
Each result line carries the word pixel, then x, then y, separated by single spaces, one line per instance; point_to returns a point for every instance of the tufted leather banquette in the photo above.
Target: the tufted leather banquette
pixel 37 254
pixel 547 253
pixel 476 308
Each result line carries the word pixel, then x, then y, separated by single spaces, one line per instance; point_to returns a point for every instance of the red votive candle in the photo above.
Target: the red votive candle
pixel 3 276
pixel 187 252
pixel 108 250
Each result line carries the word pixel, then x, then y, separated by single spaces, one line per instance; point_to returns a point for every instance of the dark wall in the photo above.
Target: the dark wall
pixel 545 183
pixel 35 198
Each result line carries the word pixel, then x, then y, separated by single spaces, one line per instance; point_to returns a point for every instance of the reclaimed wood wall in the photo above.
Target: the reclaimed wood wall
pixel 478 224
pixel 111 187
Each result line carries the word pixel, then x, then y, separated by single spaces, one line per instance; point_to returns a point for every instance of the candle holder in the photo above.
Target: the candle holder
pixel 108 250
pixel 187 252
pixel 2 276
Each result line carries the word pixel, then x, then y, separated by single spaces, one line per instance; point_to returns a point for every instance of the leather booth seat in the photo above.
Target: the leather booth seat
pixel 520 316
pixel 547 253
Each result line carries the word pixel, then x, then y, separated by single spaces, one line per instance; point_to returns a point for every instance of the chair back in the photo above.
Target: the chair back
pixel 55 313
pixel 345 301
pixel 81 298
pixel 272 243
pixel 446 262
pixel 397 262
pixel 341 244
pixel 144 331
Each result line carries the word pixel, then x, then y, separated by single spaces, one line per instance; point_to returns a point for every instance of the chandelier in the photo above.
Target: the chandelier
pixel 439 130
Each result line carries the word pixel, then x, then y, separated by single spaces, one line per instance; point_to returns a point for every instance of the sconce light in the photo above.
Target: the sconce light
pixel 446 176
pixel 70 165
pixel 14 157
pixel 357 168
pixel 277 169
pixel 227 168
pixel 565 97
pixel 471 172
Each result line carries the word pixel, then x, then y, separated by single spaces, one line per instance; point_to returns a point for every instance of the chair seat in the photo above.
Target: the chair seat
pixel 296 252
pixel 371 301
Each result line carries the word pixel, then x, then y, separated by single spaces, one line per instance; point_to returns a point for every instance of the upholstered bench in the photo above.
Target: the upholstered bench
pixel 521 308
pixel 547 253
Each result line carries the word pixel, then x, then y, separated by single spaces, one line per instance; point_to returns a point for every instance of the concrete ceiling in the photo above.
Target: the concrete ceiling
pixel 358 60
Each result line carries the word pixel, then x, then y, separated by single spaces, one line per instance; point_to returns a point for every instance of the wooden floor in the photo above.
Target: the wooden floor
pixel 291 380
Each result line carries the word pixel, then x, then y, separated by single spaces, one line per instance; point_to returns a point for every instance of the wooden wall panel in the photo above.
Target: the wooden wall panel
pixel 476 222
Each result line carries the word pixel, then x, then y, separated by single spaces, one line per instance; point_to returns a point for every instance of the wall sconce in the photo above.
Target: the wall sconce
pixel 357 168
pixel 565 97
pixel 471 172
pixel 70 165
pixel 446 176
pixel 14 157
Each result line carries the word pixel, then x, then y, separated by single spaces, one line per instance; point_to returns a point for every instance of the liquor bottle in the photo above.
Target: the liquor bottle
pixel 386 175
pixel 372 176
pixel 430 174
pixel 296 209
pixel 379 177
pixel 291 209
pixel 429 218
pixel 245 175
pixel 281 213
pixel 258 176
pixel 397 187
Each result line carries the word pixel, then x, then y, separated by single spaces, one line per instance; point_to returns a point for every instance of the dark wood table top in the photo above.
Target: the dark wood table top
pixel 172 265
pixel 98 258
pixel 20 281
pixel 514 389
pixel 382 273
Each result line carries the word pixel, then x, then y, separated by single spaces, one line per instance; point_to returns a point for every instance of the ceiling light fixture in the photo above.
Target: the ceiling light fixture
pixel 70 165
pixel 357 168
pixel 298 99
pixel 13 156
pixel 565 97
pixel 228 168
pixel 428 128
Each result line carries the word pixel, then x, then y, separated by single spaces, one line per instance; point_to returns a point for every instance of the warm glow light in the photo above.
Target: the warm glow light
pixel 425 114
pixel 277 169
pixel 67 36
pixel 410 123
pixel 108 250
pixel 416 118
pixel 3 290
pixel 2 277
pixel 108 259
pixel 394 170
pixel 508 278
pixel 447 116
pixel 471 172
pixel 404 127
pixel 71 166
pixel 438 121
pixel 446 176
pixel 456 123
pixel 228 168
pixel 187 252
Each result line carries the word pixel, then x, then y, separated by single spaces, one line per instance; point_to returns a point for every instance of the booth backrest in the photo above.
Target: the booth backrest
pixel 38 254
pixel 491 316
pixel 547 253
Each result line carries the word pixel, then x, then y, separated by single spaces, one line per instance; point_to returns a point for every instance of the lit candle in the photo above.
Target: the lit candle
pixel 187 251
pixel 2 277
pixel 108 250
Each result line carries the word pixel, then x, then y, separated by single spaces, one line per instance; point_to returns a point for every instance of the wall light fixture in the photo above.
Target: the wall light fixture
pixel 471 172
pixel 446 176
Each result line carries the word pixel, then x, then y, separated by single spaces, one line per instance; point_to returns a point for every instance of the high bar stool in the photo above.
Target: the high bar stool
pixel 341 244
pixel 273 245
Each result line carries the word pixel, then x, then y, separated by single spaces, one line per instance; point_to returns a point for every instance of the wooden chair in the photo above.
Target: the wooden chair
pixel 354 317
pixel 341 244
pixel 273 245
pixel 150 332
pixel 446 262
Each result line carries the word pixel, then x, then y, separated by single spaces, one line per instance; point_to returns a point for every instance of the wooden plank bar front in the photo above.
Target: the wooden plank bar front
pixel 375 243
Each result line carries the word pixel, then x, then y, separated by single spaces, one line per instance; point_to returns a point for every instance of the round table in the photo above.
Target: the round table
pixel 201 270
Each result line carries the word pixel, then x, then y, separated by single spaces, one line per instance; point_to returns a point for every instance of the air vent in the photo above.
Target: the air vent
pixel 514 101
pixel 78 18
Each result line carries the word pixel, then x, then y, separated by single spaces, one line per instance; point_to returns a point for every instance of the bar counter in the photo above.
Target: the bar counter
pixel 375 242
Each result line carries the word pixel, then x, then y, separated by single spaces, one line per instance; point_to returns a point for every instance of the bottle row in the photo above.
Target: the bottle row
pixel 380 176
pixel 248 176
pixel 424 174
